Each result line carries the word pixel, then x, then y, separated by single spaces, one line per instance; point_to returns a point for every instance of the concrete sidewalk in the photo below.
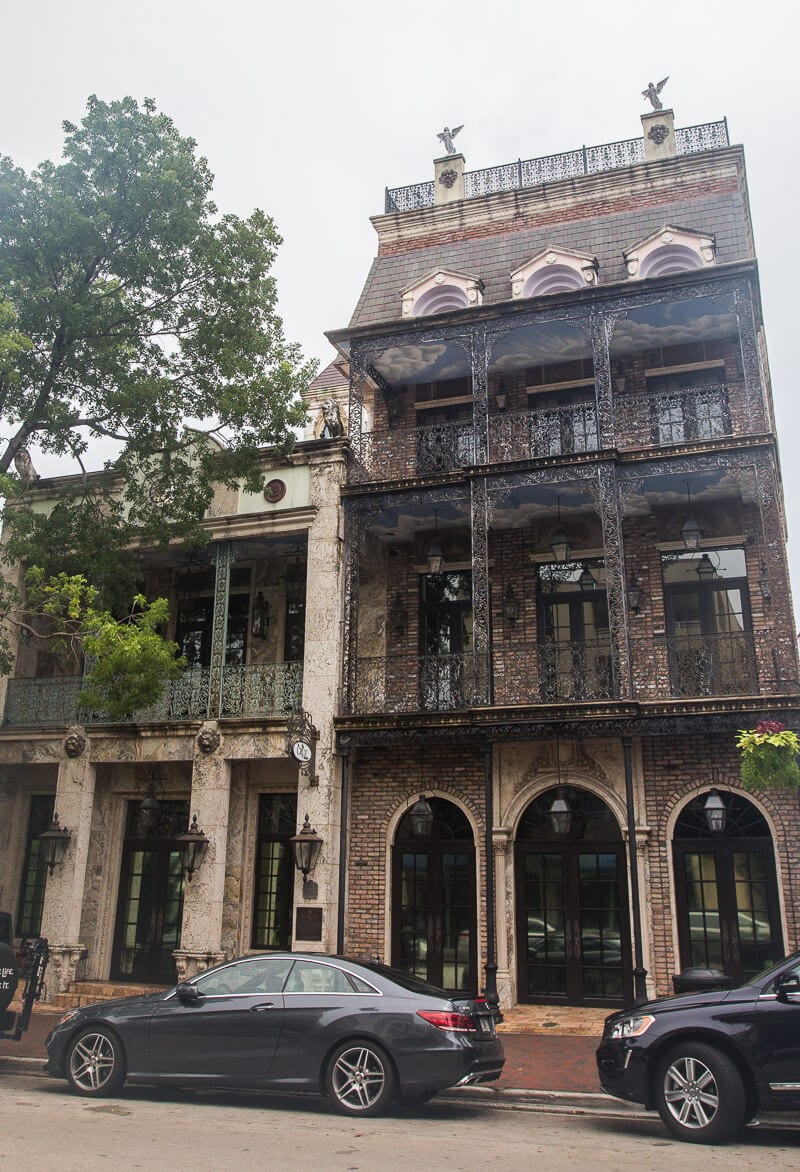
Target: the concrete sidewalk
pixel 534 1062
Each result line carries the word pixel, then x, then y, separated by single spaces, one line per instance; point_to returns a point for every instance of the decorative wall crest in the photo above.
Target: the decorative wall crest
pixel 658 133
pixel 448 177
pixel 208 739
pixel 74 743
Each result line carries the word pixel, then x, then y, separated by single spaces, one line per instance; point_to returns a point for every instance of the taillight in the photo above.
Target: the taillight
pixel 458 1023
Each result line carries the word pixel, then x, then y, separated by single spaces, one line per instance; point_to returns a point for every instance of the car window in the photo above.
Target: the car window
pixel 261 975
pixel 360 985
pixel 309 977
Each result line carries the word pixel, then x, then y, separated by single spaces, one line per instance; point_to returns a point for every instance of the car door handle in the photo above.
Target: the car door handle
pixel 262 1008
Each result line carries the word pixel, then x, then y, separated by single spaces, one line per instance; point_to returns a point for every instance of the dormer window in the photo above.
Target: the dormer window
pixel 670 250
pixel 554 270
pixel 441 291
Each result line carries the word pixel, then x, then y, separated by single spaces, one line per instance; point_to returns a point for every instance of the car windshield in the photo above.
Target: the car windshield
pixel 771 969
pixel 412 984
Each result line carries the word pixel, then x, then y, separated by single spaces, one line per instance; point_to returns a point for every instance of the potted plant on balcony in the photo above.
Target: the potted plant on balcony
pixel 769 756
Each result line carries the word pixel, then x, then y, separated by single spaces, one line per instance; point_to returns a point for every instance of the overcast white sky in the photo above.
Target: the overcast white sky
pixel 310 109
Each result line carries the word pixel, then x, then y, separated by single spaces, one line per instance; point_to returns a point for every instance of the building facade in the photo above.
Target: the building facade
pixel 257 615
pixel 512 596
pixel 566 583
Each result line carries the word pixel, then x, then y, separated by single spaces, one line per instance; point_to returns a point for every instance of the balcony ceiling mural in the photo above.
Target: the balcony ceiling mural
pixel 672 324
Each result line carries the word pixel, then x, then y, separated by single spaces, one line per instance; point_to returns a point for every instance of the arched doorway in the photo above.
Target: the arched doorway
pixel 433 900
pixel 726 888
pixel 572 905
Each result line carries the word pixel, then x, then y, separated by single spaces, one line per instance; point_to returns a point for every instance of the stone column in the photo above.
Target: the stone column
pixel 64 891
pixel 320 797
pixel 204 894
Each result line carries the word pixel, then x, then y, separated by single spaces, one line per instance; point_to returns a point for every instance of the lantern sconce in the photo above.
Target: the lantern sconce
pixel 559 542
pixel 306 845
pixel 510 606
pixel 587 581
pixel 560 813
pixel 764 586
pixel 706 570
pixel 635 596
pixel 260 622
pixel 435 554
pixel 716 812
pixel 54 842
pixel 421 817
pixel 192 846
pixel 690 530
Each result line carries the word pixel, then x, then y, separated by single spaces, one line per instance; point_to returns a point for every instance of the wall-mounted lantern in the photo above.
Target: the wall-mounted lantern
pixel 260 621
pixel 634 596
pixel 435 554
pixel 54 843
pixel 587 580
pixel 306 845
pixel 510 606
pixel 706 570
pixel 690 530
pixel 421 818
pixel 192 846
pixel 560 813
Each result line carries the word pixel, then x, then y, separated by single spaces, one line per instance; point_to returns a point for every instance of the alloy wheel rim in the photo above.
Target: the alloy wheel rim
pixel 92 1061
pixel 691 1093
pixel 358 1078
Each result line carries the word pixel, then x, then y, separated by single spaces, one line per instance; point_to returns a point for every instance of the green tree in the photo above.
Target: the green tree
pixel 129 309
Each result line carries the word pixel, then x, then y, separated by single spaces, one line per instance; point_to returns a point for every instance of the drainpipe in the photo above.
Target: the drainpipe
pixel 639 971
pixel 491 956
pixel 344 751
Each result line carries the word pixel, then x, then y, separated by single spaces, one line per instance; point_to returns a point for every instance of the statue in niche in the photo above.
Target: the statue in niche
pixel 652 92
pixel 332 426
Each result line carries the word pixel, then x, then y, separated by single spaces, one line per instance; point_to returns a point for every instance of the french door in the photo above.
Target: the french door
pixel 150 903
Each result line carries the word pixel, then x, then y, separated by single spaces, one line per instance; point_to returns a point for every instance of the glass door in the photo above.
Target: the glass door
pixel 726 890
pixel 572 928
pixel 433 901
pixel 150 904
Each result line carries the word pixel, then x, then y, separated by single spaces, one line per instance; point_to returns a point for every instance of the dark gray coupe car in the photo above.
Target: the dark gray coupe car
pixel 359 1032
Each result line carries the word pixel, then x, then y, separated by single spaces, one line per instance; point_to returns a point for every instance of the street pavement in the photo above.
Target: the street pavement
pixel 44 1128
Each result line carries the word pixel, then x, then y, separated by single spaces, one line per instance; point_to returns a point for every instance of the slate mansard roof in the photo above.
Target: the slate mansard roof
pixel 598 215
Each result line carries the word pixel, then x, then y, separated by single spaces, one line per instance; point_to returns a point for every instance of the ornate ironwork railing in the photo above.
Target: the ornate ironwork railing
pixel 414 451
pixel 273 689
pixel 692 414
pixel 545 431
pixel 712 665
pixel 575 671
pixel 415 683
pixel 550 168
pixel 264 689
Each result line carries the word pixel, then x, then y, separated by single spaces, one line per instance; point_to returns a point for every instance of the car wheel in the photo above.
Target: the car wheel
pixel 96 1062
pixel 360 1079
pixel 700 1094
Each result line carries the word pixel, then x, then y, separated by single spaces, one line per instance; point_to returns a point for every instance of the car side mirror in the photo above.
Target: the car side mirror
pixel 787 983
pixel 188 994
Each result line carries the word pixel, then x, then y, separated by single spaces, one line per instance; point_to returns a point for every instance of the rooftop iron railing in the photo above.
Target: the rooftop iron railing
pixel 550 168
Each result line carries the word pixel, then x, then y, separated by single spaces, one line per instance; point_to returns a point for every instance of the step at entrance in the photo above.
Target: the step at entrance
pixel 82 993
pixel 556 1020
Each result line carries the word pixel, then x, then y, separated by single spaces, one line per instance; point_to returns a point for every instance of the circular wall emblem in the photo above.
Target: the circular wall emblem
pixel 274 491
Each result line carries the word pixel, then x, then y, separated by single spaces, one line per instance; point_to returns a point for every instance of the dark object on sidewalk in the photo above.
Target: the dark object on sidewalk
pixel 34 962
pixel 361 1032
pixel 700 980
pixel 709 1061
pixel 6 932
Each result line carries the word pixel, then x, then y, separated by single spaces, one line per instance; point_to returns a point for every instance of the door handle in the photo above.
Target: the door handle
pixel 262 1008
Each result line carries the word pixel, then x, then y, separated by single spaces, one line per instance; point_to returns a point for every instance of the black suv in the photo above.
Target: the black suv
pixel 709 1062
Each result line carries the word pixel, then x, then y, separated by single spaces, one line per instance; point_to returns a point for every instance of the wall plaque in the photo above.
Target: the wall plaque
pixel 308 923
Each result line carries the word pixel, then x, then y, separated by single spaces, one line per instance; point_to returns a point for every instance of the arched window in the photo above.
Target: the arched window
pixel 554 270
pixel 441 291
pixel 669 250
pixel 672 258
pixel 726 888
pixel 440 300
pixel 434 915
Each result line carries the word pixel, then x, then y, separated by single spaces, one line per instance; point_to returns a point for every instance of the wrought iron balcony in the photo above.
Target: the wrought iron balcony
pixel 415 683
pixel 544 431
pixel 259 690
pixel 415 451
pixel 549 168
pixel 692 414
pixel 742 663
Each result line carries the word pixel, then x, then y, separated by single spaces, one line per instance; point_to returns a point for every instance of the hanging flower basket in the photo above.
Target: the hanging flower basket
pixel 769 756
